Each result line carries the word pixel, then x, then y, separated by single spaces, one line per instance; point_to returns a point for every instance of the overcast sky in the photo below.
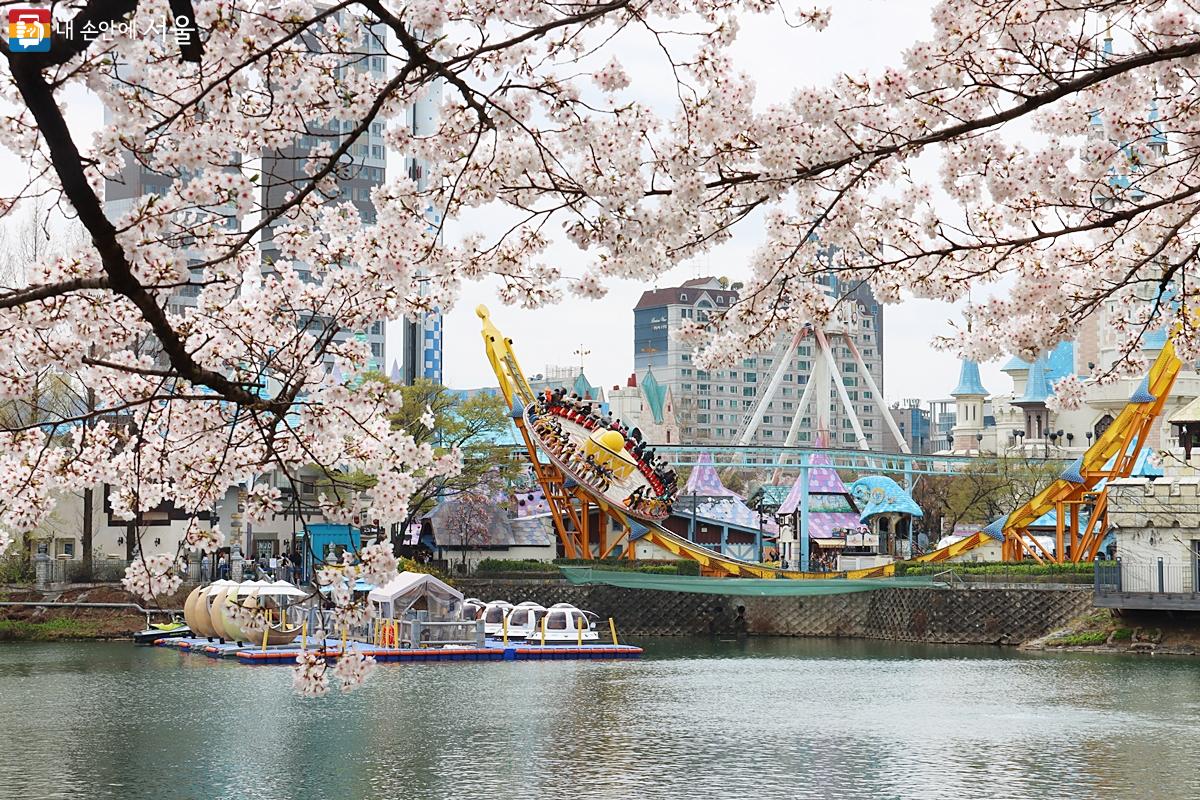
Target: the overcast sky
pixel 863 35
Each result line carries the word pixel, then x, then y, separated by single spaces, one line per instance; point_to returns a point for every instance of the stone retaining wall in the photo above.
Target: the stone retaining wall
pixel 968 615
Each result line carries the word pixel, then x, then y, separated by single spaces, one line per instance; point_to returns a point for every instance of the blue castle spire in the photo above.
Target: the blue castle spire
pixel 968 381
pixel 1037 386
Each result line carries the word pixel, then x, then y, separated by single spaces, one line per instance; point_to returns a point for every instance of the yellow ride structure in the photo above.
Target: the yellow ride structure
pixel 579 513
pixel 1112 455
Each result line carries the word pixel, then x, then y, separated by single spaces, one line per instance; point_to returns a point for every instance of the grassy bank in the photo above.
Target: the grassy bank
pixel 50 624
pixel 53 630
pixel 1102 630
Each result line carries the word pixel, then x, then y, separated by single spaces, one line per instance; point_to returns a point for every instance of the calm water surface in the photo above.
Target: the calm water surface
pixel 702 719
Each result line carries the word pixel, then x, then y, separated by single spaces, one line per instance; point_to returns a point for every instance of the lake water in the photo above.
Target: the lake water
pixel 694 719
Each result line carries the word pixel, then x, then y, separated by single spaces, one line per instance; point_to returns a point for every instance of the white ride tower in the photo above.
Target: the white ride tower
pixel 847 318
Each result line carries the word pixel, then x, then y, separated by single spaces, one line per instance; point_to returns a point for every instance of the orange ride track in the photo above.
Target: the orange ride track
pixel 580 515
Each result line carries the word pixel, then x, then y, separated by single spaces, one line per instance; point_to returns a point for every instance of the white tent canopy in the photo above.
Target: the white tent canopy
pixel 281 589
pixel 409 589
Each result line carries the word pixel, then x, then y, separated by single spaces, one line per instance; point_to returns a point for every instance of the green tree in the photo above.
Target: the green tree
pixel 984 490
pixel 477 426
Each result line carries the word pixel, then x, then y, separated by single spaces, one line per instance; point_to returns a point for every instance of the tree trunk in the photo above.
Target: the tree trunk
pixel 86 538
pixel 88 493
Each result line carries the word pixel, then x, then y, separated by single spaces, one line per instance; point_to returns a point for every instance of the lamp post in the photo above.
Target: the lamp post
pixel 759 509
pixel 979 444
pixel 582 353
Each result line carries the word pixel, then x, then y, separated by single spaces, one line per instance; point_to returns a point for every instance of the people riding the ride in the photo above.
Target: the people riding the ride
pixel 551 405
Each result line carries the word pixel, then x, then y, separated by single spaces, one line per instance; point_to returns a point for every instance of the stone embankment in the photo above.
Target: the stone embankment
pixel 960 615
pixel 1039 617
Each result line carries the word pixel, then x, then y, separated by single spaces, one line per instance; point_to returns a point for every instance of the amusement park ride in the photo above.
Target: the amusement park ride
pixel 816 391
pixel 596 472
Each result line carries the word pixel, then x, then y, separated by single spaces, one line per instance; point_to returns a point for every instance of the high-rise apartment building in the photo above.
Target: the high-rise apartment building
pixel 362 169
pixel 421 340
pixel 714 407
pixel 282 171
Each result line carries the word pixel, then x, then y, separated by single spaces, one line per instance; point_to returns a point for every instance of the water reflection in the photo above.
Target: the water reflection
pixel 763 718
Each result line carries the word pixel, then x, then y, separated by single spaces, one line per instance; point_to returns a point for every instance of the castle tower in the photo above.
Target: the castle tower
pixel 969 397
pixel 1033 402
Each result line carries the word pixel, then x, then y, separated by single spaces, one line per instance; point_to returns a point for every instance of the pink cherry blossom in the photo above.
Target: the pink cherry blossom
pixel 309 676
pixel 1016 161
pixel 352 669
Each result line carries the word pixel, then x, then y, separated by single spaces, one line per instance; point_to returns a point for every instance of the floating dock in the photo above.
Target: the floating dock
pixel 493 650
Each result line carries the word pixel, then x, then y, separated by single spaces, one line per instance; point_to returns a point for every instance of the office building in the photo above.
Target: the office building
pixel 915 425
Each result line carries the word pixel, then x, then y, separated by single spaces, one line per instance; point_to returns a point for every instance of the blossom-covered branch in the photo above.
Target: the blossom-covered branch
pixel 252 124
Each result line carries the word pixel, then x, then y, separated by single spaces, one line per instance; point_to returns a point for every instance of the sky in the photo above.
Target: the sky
pixel 863 35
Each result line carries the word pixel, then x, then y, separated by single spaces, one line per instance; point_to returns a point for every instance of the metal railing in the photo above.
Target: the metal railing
pixel 1010 576
pixel 408 632
pixel 1155 577
pixel 949 577
pixel 423 633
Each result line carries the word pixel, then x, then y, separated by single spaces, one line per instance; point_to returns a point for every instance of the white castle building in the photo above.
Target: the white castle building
pixel 1019 421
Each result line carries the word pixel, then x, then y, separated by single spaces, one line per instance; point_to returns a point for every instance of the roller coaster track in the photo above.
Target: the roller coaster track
pixel 572 504
pixel 1082 485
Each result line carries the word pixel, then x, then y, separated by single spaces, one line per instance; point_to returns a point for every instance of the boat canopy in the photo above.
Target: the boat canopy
pixel 418 591
pixel 282 589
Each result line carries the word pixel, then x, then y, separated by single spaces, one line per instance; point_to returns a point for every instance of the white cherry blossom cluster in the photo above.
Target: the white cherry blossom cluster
pixel 251 620
pixel 377 563
pixel 309 677
pixel 203 540
pixel 149 577
pixel 352 614
pixel 352 669
pixel 1069 394
pixel 263 501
